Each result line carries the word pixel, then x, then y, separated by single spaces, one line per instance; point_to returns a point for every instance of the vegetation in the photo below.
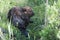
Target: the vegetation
pixel 46 25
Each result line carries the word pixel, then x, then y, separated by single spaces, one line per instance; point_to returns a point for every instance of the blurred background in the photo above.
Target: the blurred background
pixel 46 25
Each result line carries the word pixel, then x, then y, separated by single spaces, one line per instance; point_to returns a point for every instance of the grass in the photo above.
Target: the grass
pixel 38 19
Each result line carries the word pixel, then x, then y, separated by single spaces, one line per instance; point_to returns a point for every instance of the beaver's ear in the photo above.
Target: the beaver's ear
pixel 24 9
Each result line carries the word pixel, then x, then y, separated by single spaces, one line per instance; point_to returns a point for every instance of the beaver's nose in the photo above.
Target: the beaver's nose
pixel 32 13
